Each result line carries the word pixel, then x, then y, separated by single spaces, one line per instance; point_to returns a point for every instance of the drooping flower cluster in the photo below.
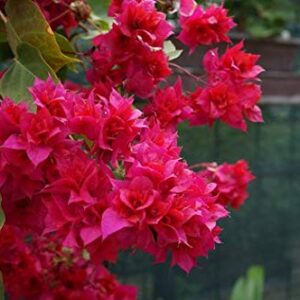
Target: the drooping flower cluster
pixel 163 204
pixel 66 155
pixel 231 180
pixel 169 106
pixel 203 26
pixel 131 53
pixel 41 269
pixel 232 91
pixel 94 172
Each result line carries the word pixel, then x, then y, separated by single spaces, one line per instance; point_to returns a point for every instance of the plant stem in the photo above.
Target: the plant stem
pixel 187 72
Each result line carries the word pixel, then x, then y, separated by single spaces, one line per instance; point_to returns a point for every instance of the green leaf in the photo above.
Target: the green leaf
pixel 12 37
pixel 28 65
pixel 65 45
pixel 255 278
pixel 251 287
pixel 103 23
pixel 238 290
pixel 171 51
pixel 26 23
pixel 88 36
pixel 67 48
pixel 15 82
pixel 99 6
pixel 31 59
pixel 2 297
pixel 2 219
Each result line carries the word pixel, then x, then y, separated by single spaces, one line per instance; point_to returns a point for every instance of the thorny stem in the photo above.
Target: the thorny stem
pixel 187 72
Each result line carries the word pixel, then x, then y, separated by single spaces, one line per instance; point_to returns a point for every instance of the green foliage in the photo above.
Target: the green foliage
pixel 67 48
pixel 249 287
pixel 27 24
pixel 171 51
pixel 15 82
pixel 99 16
pixel 99 6
pixel 32 59
pixel 64 45
pixel 38 51
pixel 28 65
pixel 263 18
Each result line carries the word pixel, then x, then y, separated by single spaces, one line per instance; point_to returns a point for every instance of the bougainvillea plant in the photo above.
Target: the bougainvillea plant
pixel 91 167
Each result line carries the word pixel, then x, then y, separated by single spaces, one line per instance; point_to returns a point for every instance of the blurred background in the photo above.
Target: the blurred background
pixel 266 229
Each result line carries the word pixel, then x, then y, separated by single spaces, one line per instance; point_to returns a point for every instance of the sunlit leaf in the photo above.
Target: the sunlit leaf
pixel 171 51
pixel 29 25
pixel 65 45
pixel 67 48
pixel 102 23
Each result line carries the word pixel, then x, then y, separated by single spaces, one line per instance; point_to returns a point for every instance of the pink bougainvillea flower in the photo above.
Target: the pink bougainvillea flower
pixel 115 7
pixel 223 101
pixel 142 22
pixel 39 136
pixel 10 116
pixel 232 91
pixel 231 180
pixel 64 13
pixel 53 97
pixel 77 199
pixel 235 62
pixel 94 170
pixel 187 7
pixel 43 269
pixel 157 200
pixel 131 53
pixel 119 126
pixel 204 26
pixel 145 71
pixel 85 117
pixel 169 106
